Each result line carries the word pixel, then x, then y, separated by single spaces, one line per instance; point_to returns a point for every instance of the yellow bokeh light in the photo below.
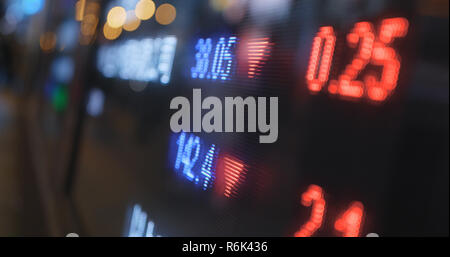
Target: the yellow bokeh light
pixel 86 40
pixel 145 9
pixel 111 33
pixel 132 22
pixel 220 5
pixel 165 14
pixel 47 41
pixel 89 25
pixel 116 17
pixel 92 7
pixel 79 9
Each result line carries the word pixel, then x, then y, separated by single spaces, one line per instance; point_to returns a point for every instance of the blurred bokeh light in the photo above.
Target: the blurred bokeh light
pixel 165 14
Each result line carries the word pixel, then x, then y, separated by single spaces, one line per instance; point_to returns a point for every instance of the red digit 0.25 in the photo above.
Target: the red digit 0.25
pixel 372 49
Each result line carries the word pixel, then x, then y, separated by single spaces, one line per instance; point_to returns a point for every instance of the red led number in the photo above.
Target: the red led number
pixel 349 224
pixel 323 46
pixel 385 56
pixel 314 197
pixel 372 49
pixel 347 85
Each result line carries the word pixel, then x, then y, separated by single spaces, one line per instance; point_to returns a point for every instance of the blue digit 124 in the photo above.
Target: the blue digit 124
pixel 194 162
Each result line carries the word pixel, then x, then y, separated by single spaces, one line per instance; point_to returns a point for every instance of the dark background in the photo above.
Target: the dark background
pixel 69 171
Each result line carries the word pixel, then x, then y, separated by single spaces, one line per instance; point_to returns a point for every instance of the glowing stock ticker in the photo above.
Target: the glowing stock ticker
pixel 348 224
pixel 372 49
pixel 204 165
pixel 218 61
pixel 145 60
pixel 207 166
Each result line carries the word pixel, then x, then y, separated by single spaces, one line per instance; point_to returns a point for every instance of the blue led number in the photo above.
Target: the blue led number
pixel 188 154
pixel 222 60
pixel 180 143
pixel 146 60
pixel 203 48
pixel 138 222
pixel 208 166
pixel 228 58
pixel 140 225
pixel 218 59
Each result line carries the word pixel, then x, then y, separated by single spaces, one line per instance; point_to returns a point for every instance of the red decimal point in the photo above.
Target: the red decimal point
pixel 313 197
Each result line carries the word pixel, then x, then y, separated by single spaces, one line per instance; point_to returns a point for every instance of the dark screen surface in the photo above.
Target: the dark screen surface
pixel 362 142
